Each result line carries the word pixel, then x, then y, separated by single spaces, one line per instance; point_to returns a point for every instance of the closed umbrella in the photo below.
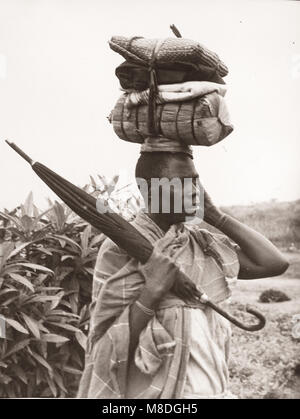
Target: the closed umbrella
pixel 123 234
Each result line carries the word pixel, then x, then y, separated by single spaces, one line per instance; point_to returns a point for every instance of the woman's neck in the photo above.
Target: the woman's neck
pixel 163 222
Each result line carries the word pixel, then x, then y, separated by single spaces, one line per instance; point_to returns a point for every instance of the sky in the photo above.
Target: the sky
pixel 57 87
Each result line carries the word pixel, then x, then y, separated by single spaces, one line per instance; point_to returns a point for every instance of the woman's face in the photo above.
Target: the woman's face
pixel 177 194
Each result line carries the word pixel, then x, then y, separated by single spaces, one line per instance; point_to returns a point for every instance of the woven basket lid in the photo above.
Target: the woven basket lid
pixel 140 50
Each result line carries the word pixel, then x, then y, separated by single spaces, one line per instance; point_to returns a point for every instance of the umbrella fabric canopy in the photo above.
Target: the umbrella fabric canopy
pixel 123 234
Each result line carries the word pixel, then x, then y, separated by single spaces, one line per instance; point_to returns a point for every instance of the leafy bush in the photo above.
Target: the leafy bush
pixel 46 268
pixel 273 296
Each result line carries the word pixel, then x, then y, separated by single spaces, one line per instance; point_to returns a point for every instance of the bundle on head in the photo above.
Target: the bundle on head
pixel 202 121
pixel 153 62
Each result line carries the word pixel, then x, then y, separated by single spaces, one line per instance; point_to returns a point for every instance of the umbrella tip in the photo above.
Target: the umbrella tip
pixel 20 152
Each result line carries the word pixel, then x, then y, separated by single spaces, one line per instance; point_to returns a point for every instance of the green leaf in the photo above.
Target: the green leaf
pixel 63 314
pixel 65 257
pixel 19 373
pixel 22 280
pixel 55 302
pixel 6 291
pixel 28 205
pixel 53 338
pixel 72 370
pixel 36 212
pixel 67 240
pixel 33 325
pixel 18 346
pixel 93 182
pixel 49 288
pixel 60 218
pixel 85 235
pixel 27 223
pixel 82 339
pixel 43 328
pixel 40 299
pixel 97 239
pixel 5 250
pixel 8 301
pixel 16 325
pixel 52 385
pixel 58 379
pixel 35 266
pixel 41 360
pixel 15 220
pixel 18 249
pixel 45 251
pixel 66 326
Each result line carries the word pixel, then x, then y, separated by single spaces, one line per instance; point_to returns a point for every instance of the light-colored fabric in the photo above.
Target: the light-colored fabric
pixel 163 352
pixel 207 370
pixel 178 92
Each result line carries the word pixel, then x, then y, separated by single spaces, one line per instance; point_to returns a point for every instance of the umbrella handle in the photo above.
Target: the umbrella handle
pixel 20 152
pixel 251 328
pixel 191 293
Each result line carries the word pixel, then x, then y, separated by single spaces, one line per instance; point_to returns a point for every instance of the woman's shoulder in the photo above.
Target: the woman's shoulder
pixel 216 236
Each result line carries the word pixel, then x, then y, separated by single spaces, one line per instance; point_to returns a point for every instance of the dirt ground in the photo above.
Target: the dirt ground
pixel 264 363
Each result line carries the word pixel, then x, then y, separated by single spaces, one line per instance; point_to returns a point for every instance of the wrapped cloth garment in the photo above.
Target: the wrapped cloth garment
pixel 163 362
pixel 179 92
pixel 163 144
pixel 136 77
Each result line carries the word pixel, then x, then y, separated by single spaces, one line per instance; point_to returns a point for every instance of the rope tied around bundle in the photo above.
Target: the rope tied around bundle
pixel 153 86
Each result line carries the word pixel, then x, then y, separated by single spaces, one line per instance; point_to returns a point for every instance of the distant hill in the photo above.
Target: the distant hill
pixel 279 221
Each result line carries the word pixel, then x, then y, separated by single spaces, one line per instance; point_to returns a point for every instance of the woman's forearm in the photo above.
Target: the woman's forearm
pixel 257 255
pixel 138 319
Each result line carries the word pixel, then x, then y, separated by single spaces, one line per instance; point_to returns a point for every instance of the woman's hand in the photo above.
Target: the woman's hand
pixel 258 257
pixel 160 273
pixel 212 214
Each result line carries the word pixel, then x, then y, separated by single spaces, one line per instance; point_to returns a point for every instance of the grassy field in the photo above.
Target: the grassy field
pixel 263 363
pixel 279 221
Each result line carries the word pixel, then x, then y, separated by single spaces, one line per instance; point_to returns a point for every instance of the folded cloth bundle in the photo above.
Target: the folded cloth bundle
pixel 136 77
pixel 178 92
pixel 156 52
pixel 200 121
pixel 174 93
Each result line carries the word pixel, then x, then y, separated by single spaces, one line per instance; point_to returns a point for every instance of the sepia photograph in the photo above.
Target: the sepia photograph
pixel 149 202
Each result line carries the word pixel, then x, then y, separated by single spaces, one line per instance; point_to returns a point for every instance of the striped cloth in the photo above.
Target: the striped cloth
pixel 162 356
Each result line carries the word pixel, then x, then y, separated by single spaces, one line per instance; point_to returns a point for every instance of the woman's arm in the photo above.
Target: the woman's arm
pixel 258 257
pixel 160 273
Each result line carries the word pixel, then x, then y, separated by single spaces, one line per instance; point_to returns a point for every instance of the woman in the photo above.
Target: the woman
pixel 145 341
